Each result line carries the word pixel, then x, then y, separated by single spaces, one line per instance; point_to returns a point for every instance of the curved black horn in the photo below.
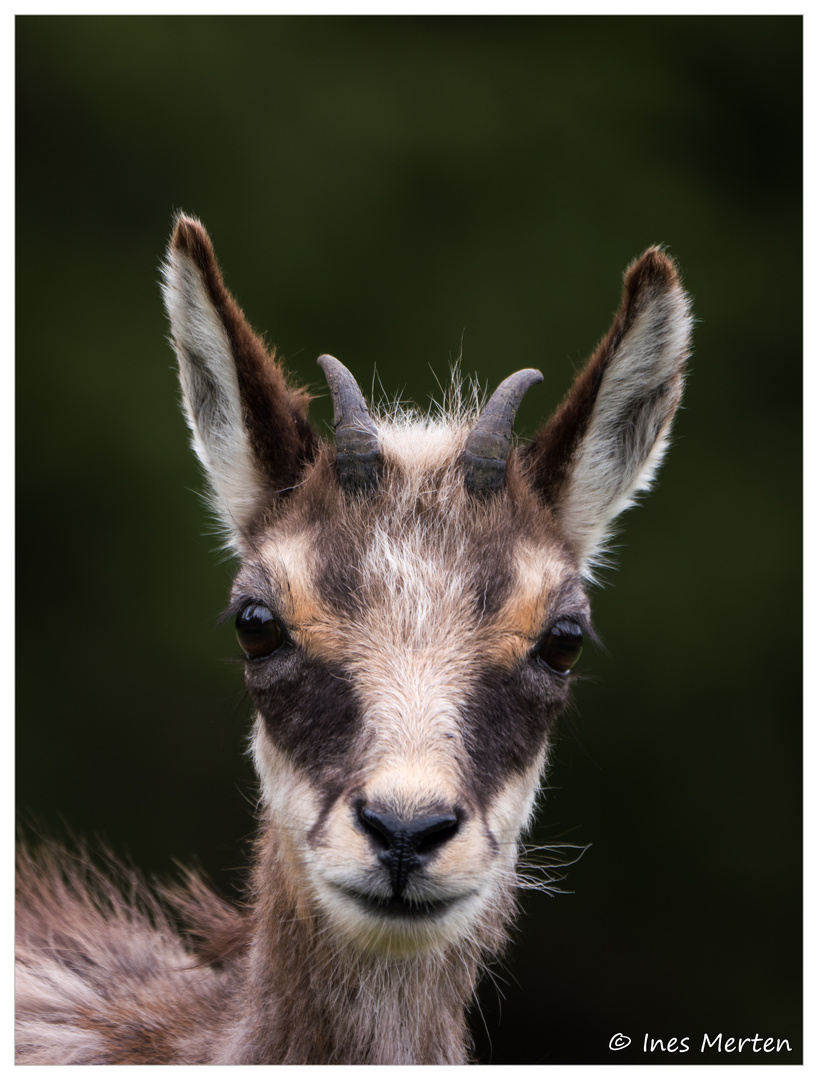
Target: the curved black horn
pixel 358 455
pixel 489 440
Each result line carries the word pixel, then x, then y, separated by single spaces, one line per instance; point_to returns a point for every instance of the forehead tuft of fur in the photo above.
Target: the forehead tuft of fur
pixel 424 445
pixel 422 492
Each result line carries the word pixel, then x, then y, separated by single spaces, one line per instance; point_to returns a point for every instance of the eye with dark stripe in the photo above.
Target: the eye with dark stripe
pixel 258 632
pixel 561 647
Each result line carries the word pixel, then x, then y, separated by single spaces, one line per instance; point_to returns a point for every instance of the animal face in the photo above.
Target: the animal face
pixel 399 665
pixel 410 601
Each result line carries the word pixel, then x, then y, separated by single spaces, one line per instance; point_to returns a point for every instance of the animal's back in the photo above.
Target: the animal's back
pixel 102 974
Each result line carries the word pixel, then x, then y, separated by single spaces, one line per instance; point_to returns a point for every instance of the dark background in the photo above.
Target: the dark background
pixel 385 189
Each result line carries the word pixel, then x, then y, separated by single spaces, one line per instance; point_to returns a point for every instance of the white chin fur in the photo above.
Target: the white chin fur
pixel 390 934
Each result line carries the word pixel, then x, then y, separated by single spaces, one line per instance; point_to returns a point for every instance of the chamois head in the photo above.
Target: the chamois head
pixel 410 600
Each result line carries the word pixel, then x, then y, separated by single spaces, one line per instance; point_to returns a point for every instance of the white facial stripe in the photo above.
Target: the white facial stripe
pixel 413 664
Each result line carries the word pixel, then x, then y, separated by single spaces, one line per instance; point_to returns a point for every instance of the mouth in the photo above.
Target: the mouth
pixel 401 906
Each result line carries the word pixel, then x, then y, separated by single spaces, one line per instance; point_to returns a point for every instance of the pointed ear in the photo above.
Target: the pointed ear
pixel 605 442
pixel 249 429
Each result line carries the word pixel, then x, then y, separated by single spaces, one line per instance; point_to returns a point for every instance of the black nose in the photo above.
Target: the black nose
pixel 403 844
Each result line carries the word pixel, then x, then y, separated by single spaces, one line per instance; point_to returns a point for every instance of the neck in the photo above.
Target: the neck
pixel 309 1000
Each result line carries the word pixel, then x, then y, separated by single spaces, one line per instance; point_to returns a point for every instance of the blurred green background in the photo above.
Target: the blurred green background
pixel 387 189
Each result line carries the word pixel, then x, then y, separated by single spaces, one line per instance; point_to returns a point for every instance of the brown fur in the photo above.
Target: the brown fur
pixel 102 974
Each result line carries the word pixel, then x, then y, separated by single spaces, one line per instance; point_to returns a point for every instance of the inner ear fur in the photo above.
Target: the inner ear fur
pixel 604 443
pixel 250 428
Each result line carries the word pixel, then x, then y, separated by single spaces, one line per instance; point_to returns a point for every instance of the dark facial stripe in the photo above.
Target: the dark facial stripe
pixel 494 580
pixel 339 580
pixel 506 721
pixel 331 796
pixel 311 712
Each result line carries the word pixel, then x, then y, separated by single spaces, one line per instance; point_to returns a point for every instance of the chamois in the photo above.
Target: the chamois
pixel 410 602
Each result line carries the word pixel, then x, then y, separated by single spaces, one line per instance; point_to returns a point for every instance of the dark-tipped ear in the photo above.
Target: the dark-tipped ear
pixel 250 429
pixel 605 442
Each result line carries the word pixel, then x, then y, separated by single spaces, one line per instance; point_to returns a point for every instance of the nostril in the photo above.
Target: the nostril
pixel 435 832
pixel 382 827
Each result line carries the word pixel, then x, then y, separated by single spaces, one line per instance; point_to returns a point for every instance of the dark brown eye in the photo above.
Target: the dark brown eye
pixel 561 646
pixel 258 632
